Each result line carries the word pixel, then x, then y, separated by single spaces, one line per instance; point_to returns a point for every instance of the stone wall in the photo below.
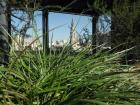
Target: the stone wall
pixel 4 37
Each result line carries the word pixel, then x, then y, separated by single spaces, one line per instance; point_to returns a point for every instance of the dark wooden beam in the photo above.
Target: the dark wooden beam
pixel 45 31
pixel 94 30
pixel 9 21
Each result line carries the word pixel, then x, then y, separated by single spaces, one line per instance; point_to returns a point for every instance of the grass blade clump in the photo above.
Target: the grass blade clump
pixel 68 79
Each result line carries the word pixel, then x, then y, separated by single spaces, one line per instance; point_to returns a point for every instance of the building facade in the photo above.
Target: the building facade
pixel 74 38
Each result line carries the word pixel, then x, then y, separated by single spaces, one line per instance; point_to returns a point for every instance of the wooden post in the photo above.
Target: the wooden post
pixel 9 22
pixel 94 30
pixel 45 31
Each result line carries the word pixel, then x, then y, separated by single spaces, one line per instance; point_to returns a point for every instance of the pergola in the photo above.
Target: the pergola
pixel 79 7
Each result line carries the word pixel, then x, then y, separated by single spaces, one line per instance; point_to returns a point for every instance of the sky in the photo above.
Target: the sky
pixel 64 21
pixel 56 19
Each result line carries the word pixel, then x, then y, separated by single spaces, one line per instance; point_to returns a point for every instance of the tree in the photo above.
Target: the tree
pixel 125 22
pixel 85 38
pixel 124 25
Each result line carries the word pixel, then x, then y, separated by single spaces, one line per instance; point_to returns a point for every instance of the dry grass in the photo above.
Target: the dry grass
pixel 137 65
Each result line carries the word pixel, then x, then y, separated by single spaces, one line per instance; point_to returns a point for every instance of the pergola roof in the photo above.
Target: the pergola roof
pixel 68 6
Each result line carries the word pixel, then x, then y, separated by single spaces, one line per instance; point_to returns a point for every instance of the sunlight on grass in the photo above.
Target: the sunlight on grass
pixel 35 78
